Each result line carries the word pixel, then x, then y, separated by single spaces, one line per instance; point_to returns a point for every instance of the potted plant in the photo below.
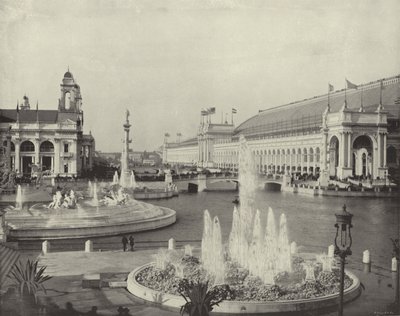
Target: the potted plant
pixel 28 280
pixel 200 299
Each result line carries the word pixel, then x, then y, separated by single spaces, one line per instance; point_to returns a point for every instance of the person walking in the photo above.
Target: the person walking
pixel 131 242
pixel 124 242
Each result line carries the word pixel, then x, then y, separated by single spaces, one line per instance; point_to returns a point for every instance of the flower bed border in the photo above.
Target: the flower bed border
pixel 250 307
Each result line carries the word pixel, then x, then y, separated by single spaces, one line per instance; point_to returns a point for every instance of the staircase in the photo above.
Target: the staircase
pixel 8 257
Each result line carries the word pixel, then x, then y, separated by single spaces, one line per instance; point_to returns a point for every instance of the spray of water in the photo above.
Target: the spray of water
pixel 18 198
pixel 262 248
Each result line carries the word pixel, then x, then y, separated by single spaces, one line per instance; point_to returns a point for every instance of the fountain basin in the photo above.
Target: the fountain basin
pixel 39 223
pixel 171 301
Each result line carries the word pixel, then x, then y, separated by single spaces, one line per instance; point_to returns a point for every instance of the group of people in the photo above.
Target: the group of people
pixel 125 241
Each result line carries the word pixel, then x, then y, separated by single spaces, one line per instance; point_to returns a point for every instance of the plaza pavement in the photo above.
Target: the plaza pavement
pixel 68 268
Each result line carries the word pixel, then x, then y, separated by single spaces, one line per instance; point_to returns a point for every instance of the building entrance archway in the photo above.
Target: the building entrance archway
pixel 333 156
pixel 363 156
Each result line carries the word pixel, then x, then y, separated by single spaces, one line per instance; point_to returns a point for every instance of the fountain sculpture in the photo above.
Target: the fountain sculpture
pixel 96 210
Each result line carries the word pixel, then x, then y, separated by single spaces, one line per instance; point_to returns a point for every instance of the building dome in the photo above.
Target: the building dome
pixel 68 75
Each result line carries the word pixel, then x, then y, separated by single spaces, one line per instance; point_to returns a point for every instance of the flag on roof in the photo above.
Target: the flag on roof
pixel 351 85
pixel 234 111
pixel 204 112
pixel 211 110
pixel 166 134
pixel 330 87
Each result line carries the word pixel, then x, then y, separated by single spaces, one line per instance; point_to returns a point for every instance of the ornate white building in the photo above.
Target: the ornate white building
pixel 353 132
pixel 51 139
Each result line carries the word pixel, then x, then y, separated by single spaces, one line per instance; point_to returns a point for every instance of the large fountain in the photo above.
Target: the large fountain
pixel 262 268
pixel 95 209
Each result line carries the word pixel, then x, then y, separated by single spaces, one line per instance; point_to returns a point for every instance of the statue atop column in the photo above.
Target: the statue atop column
pixel 125 179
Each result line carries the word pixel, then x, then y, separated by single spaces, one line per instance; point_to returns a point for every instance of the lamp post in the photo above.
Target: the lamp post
pixel 343 241
pixel 396 254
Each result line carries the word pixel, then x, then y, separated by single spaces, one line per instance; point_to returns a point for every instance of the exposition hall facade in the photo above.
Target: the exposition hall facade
pixel 347 133
pixel 51 140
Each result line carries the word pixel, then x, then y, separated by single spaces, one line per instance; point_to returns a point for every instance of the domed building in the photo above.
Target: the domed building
pixel 50 139
pixel 353 132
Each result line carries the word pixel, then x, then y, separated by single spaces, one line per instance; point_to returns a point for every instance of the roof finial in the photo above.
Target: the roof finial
pixel 68 68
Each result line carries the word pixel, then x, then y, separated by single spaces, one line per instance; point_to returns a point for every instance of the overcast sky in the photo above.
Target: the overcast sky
pixel 164 60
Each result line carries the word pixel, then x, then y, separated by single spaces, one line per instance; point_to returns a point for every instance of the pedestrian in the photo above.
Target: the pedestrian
pixel 131 242
pixel 124 242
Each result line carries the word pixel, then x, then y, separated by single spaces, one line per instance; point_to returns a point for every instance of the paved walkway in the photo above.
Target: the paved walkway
pixel 67 269
pixel 70 263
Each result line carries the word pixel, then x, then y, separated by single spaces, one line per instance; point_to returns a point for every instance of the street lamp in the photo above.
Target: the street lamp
pixel 396 254
pixel 343 241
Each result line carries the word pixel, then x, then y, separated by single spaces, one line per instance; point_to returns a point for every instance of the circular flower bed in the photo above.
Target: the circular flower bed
pixel 245 287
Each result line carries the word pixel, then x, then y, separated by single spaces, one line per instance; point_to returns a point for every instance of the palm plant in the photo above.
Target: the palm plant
pixel 200 300
pixel 29 279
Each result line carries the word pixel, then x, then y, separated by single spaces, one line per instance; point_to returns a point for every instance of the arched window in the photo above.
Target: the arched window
pixel 27 146
pixel 47 147
pixel 67 97
pixel 311 154
pixel 305 155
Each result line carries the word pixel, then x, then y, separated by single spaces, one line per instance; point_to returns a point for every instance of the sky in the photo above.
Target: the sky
pixel 165 60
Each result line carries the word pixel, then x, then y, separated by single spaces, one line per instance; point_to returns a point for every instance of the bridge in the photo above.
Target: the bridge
pixel 201 183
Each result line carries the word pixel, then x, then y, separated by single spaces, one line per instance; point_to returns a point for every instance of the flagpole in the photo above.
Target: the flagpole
pixel 232 117
pixel 345 93
pixel 329 94
pixel 362 99
pixel 380 94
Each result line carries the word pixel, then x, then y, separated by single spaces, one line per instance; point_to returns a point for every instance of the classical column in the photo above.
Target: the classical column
pixel 384 149
pixel 17 163
pixel 37 151
pixel 325 152
pixel 349 150
pixel 341 151
pixel 74 157
pixel 379 158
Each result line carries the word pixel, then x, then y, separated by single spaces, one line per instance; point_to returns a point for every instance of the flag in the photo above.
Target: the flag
pixel 178 134
pixel 351 85
pixel 204 112
pixel 211 110
pixel 166 135
pixel 234 111
pixel 330 87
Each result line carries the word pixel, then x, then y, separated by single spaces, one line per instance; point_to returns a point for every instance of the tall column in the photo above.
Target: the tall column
pixel 37 151
pixel 379 158
pixel 73 159
pixel 384 149
pixel 325 152
pixel 56 166
pixel 17 163
pixel 341 151
pixel 349 150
